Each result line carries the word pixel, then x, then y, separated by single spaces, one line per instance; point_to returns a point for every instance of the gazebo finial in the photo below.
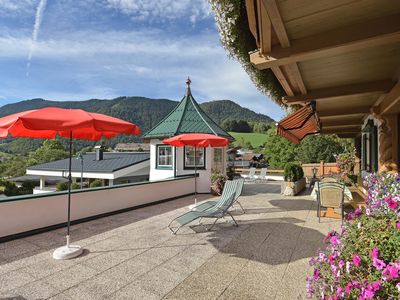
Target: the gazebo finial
pixel 188 82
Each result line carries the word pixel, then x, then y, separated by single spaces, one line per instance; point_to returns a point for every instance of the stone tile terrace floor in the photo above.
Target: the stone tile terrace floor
pixel 134 256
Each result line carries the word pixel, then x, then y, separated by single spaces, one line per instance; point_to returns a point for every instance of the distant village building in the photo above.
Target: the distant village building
pixel 132 147
pixel 111 167
pixel 167 161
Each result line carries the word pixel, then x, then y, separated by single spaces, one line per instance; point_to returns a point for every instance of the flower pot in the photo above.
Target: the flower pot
pixel 289 188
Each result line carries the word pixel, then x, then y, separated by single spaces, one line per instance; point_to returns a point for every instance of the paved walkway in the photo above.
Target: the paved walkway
pixel 134 256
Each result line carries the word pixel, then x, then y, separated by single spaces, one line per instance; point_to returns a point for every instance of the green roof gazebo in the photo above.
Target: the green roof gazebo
pixel 167 161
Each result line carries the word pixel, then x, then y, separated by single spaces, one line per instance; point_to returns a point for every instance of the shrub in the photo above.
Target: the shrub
pixel 10 189
pixel 96 183
pixel 75 186
pixel 62 186
pixel 363 261
pixel 293 172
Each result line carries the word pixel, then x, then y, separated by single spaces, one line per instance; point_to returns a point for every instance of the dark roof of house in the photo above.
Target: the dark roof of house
pixel 112 161
pixel 187 117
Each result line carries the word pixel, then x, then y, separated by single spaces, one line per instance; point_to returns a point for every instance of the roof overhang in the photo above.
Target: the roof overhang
pixel 343 55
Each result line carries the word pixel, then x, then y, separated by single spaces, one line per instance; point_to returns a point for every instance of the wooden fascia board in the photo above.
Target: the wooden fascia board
pixel 339 91
pixel 381 31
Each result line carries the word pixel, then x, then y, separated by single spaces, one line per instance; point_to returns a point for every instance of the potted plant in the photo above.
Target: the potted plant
pixel 294 179
pixel 217 182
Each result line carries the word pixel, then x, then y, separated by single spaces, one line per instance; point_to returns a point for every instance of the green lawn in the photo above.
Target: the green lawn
pixel 256 139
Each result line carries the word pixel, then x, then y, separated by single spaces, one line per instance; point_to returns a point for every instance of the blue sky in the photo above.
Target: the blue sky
pixel 82 49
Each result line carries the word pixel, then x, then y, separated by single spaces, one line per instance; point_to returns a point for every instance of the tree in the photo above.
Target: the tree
pixel 13 167
pixel 229 124
pixel 260 127
pixel 279 150
pixel 315 148
pixel 51 150
pixel 243 126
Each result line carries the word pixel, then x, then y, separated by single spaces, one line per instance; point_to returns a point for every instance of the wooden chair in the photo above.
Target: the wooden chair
pixel 331 196
pixel 328 179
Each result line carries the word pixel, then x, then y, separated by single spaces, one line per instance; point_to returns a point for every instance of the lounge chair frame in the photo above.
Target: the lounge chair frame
pixel 217 211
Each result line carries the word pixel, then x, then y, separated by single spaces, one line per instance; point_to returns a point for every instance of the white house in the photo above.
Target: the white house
pixel 168 161
pixel 112 167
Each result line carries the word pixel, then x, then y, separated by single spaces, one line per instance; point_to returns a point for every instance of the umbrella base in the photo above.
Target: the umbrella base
pixel 67 252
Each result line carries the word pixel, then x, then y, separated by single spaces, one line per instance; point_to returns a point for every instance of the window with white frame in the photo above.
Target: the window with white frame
pixel 164 156
pixel 190 157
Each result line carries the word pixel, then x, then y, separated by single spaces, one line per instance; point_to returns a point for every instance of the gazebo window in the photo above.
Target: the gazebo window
pixel 164 156
pixel 189 158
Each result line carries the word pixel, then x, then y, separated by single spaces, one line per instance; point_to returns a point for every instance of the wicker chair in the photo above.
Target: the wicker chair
pixel 330 195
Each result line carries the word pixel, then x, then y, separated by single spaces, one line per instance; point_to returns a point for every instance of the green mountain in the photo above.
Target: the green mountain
pixel 142 111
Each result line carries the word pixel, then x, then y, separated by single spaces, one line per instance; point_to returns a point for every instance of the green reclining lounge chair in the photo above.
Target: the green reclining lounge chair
pixel 227 187
pixel 219 210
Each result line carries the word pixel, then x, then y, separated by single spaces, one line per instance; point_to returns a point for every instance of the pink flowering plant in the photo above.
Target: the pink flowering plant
pixel 363 260
pixel 218 182
pixel 345 162
pixel 383 192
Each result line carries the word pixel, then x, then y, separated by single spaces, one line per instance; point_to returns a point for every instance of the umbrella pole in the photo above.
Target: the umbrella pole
pixel 68 251
pixel 69 187
pixel 195 178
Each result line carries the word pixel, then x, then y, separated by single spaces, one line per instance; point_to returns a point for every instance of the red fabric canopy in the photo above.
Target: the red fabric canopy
pixel 51 121
pixel 197 140
pixel 299 124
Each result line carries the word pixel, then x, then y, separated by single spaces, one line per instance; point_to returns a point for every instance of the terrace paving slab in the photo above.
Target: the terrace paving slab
pixel 133 255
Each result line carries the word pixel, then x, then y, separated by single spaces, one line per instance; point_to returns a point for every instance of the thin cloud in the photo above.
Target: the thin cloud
pixel 160 11
pixel 36 28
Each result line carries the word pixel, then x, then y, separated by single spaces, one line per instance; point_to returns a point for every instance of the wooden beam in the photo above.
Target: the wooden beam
pixel 340 122
pixel 344 112
pixel 277 22
pixel 251 17
pixel 373 33
pixel 341 130
pixel 264 25
pixel 342 127
pixel 293 74
pixel 348 135
pixel 283 81
pixel 340 91
pixel 391 99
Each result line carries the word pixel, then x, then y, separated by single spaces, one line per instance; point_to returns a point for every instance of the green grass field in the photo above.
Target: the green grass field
pixel 256 139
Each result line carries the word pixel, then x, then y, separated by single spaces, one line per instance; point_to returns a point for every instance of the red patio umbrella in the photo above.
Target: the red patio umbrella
pixel 196 140
pixel 69 123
